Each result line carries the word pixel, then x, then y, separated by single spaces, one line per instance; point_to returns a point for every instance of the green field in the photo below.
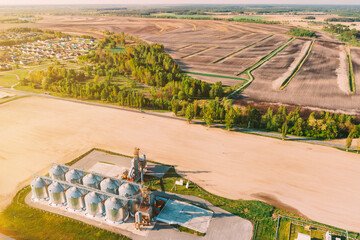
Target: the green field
pixel 118 49
pixel 7 80
pixel 215 75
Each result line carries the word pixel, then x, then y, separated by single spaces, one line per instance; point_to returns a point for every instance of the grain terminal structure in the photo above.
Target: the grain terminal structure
pixel 120 201
pixel 99 196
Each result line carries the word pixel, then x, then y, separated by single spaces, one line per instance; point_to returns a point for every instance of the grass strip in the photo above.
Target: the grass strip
pixel 263 60
pixel 202 50
pixel 215 75
pixel 233 53
pixel 298 67
pixel 350 71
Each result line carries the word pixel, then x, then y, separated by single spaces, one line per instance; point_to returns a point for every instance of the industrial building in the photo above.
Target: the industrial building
pixel 99 196
pixel 114 200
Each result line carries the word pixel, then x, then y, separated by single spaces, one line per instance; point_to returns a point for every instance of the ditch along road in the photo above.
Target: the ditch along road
pixel 162 115
pixel 288 174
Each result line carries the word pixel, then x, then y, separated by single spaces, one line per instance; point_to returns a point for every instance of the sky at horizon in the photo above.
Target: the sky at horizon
pixel 150 2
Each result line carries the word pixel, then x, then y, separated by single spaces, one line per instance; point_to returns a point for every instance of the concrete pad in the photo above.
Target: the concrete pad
pixel 6 94
pixel 186 215
pixel 106 169
pixel 102 162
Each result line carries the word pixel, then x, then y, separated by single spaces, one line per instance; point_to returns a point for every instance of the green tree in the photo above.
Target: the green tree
pixel 230 118
pixel 189 113
pixel 284 130
pixel 208 116
pixel 196 106
pixel 349 140
pixel 175 106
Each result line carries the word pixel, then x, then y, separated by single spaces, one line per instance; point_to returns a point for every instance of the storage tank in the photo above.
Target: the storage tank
pixel 117 211
pixel 109 185
pixel 38 189
pixel 94 205
pixel 130 191
pixel 57 172
pixel 91 180
pixel 57 194
pixel 75 200
pixel 74 176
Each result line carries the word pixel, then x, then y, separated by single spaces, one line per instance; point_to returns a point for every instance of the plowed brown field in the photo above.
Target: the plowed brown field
pixel 197 46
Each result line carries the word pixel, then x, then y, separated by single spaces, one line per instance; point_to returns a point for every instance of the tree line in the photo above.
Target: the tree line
pixel 319 125
pixel 301 33
pixel 345 33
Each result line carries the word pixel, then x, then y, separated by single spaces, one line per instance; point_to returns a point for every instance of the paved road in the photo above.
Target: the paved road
pixel 244 130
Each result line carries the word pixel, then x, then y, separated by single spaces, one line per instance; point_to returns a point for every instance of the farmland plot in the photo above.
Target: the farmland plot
pixel 318 84
pixel 252 55
pixel 269 77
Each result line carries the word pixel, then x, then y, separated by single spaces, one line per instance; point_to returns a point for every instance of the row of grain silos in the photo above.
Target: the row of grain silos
pixel 77 199
pixel 70 188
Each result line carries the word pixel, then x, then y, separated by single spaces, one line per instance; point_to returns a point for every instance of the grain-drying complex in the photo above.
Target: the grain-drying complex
pixel 113 201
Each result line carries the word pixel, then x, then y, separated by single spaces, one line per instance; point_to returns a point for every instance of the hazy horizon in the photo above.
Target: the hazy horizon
pixel 178 2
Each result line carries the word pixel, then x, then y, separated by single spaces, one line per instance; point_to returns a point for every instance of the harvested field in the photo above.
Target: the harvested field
pixel 194 45
pixel 252 55
pixel 355 56
pixel 270 76
pixel 322 82
pixel 318 182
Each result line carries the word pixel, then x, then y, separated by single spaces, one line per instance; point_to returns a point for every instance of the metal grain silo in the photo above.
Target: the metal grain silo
pixel 75 200
pixel 94 205
pixel 130 191
pixel 57 172
pixel 57 194
pixel 38 189
pixel 108 185
pixel 74 176
pixel 91 180
pixel 117 211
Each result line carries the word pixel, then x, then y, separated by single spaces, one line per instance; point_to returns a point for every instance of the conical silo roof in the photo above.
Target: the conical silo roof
pixel 127 190
pixel 92 198
pixel 107 183
pixel 55 187
pixel 56 170
pixel 72 175
pixel 91 179
pixel 73 192
pixel 113 203
pixel 38 183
